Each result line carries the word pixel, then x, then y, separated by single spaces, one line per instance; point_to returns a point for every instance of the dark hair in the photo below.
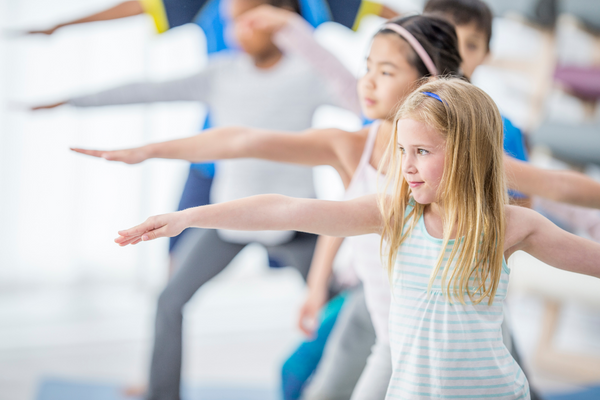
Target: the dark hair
pixel 293 5
pixel 464 12
pixel 438 38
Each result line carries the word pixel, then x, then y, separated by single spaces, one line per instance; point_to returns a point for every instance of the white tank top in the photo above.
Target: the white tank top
pixel 366 259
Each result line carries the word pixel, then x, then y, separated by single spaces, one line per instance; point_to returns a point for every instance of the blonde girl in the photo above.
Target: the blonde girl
pixel 393 68
pixel 448 231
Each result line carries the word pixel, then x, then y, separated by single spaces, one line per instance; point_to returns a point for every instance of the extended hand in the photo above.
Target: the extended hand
pixel 309 312
pixel 266 18
pixel 49 31
pixel 128 156
pixel 166 225
pixel 48 106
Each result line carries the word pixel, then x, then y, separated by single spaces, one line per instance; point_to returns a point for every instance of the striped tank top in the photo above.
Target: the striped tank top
pixel 442 350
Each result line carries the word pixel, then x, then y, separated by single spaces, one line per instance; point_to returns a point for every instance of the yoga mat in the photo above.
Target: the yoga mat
pixel 591 393
pixel 66 389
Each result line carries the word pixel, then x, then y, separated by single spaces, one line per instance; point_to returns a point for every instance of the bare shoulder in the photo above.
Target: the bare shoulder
pixel 520 223
pixel 349 147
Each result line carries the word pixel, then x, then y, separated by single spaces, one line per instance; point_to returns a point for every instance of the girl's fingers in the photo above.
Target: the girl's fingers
pixel 155 234
pixel 93 153
pixel 123 241
pixel 138 230
pixel 112 155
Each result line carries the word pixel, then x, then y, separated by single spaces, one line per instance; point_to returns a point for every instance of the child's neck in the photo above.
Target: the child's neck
pixel 267 59
pixel 432 215
pixel 384 135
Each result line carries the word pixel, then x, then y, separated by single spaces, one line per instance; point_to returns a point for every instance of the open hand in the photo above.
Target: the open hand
pixel 309 312
pixel 165 225
pixel 49 31
pixel 128 156
pixel 266 18
pixel 48 106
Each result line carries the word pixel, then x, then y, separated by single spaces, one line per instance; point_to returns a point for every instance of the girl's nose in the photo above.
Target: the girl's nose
pixel 408 164
pixel 368 80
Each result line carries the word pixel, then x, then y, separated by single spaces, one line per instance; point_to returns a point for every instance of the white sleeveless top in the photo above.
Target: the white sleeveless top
pixel 443 350
pixel 365 248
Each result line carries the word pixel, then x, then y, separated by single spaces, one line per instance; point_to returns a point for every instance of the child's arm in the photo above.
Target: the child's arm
pixel 314 147
pixel 193 88
pixel 121 10
pixel 292 34
pixel 529 231
pixel 266 212
pixel 558 185
pixel 318 281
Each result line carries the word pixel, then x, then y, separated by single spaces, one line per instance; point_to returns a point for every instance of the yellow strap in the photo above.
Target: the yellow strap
pixel 156 10
pixel 367 8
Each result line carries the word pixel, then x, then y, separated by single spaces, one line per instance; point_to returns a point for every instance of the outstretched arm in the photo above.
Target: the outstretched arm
pixel 121 10
pixel 314 147
pixel 266 212
pixel 531 232
pixel 559 185
pixel 293 34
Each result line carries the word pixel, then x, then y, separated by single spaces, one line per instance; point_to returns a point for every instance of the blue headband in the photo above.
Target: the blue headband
pixel 435 96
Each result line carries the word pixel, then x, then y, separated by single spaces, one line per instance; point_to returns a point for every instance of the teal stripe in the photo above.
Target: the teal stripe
pixel 417 274
pixel 455 378
pixel 428 339
pixel 470 350
pixel 467 387
pixel 435 321
pixel 445 396
pixel 438 278
pixel 451 311
pixel 465 359
pixel 438 368
pixel 420 247
pixel 496 330
pixel 423 294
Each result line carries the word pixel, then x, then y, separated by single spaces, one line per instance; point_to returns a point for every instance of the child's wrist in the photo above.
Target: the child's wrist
pixel 317 290
pixel 186 218
pixel 148 151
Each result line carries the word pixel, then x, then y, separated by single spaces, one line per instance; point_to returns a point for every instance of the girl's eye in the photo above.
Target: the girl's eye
pixel 423 152
pixel 401 149
pixel 386 73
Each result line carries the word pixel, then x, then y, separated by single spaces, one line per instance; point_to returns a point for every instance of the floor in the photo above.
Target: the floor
pixel 239 329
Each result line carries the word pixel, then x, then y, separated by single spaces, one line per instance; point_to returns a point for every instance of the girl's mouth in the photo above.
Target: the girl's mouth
pixel 415 184
pixel 369 102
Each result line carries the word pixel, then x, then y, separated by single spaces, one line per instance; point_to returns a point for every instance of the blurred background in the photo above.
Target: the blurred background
pixel 74 307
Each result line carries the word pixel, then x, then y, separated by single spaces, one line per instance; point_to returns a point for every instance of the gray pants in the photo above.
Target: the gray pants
pixel 344 368
pixel 355 365
pixel 200 257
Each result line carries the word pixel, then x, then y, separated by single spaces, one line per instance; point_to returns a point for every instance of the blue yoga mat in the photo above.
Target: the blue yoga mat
pixel 64 389
pixel 591 393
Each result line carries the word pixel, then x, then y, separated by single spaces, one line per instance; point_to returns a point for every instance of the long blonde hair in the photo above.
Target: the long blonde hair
pixel 472 192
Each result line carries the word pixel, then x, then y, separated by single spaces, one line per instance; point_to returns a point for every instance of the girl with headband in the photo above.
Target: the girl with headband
pixel 394 69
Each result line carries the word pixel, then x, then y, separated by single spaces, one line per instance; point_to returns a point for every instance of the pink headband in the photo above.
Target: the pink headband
pixel 415 45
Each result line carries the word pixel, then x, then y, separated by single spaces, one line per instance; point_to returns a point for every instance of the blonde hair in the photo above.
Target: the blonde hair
pixel 472 191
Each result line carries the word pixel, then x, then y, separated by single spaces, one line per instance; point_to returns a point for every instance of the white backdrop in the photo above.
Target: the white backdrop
pixel 60 211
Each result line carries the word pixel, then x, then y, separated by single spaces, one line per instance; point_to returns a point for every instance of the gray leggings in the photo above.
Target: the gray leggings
pixel 200 257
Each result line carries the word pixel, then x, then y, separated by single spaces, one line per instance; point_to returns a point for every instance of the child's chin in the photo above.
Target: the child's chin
pixel 421 199
pixel 371 114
